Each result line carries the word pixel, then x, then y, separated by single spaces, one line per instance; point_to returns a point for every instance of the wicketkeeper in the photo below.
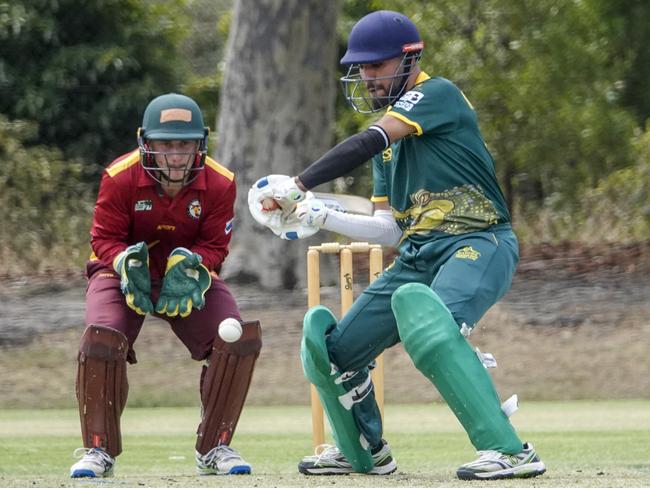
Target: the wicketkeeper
pixel 437 200
pixel 161 230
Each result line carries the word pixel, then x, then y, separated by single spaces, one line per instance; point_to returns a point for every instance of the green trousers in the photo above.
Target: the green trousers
pixel 469 273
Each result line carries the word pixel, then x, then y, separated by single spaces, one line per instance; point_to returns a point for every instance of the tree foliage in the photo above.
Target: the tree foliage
pixel 84 71
pixel 46 209
pixel 560 89
pixel 546 84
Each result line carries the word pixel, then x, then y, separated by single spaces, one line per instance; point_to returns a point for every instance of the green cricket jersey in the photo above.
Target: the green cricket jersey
pixel 441 180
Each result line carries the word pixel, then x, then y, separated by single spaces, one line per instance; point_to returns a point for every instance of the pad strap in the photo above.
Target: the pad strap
pixel 224 386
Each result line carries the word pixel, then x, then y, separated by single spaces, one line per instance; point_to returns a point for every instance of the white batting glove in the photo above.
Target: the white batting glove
pixel 312 212
pixel 280 188
pixel 287 193
pixel 283 223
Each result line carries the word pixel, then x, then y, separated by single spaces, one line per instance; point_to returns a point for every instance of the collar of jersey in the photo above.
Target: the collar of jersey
pixel 422 77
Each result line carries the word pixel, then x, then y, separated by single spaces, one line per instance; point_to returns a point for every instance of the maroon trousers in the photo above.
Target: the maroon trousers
pixel 106 306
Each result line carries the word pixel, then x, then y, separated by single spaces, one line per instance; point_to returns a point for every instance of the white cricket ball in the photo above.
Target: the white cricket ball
pixel 230 330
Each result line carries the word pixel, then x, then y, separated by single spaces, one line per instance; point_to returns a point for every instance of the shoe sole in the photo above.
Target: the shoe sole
pixel 88 473
pixel 234 470
pixel 376 471
pixel 522 472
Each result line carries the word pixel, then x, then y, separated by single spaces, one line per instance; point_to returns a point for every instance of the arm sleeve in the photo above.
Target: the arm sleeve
pixel 381 228
pixel 216 230
pixel 111 221
pixel 345 156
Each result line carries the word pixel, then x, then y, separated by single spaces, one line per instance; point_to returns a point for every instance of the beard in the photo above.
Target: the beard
pixel 395 90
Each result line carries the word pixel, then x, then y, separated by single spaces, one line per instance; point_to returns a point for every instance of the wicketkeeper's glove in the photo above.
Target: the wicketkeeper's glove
pixel 184 285
pixel 132 265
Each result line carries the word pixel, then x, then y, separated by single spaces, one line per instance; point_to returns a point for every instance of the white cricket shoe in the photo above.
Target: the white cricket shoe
pixel 330 461
pixel 221 460
pixel 94 463
pixel 493 465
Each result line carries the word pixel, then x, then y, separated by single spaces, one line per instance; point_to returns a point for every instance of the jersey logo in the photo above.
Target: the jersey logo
pixel 228 227
pixel 387 155
pixel 194 209
pixel 143 205
pixel 467 252
pixel 409 99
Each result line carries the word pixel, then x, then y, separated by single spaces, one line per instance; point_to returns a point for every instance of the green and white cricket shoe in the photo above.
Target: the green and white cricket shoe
pixel 221 460
pixel 330 460
pixel 94 463
pixel 493 465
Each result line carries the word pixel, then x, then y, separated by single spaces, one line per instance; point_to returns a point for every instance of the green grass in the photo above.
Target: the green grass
pixel 590 444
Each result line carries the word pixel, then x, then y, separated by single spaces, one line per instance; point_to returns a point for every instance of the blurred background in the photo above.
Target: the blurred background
pixel 561 92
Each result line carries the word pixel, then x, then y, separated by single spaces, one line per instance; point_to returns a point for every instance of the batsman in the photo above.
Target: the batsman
pixel 161 229
pixel 437 200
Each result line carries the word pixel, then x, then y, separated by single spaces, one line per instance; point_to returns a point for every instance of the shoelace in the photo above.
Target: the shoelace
pixel 218 453
pixel 489 454
pixel 326 451
pixel 81 452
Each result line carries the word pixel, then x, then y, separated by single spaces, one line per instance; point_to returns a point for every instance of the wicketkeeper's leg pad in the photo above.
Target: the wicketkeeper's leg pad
pixel 333 396
pixel 224 386
pixel 102 387
pixel 433 340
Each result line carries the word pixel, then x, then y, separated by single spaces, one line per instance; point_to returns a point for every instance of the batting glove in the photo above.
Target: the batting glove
pixel 184 285
pixel 281 188
pixel 312 212
pixel 132 265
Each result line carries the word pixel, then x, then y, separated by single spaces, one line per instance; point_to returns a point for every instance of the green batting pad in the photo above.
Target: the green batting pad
pixel 319 371
pixel 433 340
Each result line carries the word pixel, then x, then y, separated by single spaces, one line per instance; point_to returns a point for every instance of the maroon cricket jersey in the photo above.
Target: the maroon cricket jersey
pixel 131 208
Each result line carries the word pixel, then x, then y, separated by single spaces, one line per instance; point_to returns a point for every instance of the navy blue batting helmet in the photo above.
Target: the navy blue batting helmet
pixel 378 37
pixel 381 35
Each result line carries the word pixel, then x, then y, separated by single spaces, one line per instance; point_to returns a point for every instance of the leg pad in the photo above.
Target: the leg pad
pixel 102 387
pixel 224 386
pixel 433 340
pixel 337 401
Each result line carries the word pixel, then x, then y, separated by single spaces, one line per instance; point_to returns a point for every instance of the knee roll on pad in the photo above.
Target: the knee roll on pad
pixel 334 397
pixel 102 387
pixel 224 386
pixel 433 340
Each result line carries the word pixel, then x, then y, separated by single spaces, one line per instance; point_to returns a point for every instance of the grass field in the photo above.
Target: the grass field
pixel 590 444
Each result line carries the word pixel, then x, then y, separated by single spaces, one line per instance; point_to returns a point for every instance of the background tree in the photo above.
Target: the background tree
pixel 276 116
pixel 83 71
pixel 45 206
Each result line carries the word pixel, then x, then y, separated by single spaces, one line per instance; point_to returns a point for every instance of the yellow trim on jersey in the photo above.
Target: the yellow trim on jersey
pixel 374 199
pixel 219 168
pixel 422 77
pixel 127 162
pixel 417 126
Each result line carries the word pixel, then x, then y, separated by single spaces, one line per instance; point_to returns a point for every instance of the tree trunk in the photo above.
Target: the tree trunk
pixel 276 116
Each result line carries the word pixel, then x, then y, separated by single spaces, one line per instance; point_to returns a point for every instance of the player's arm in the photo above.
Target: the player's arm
pixel 354 151
pixel 379 228
pixel 111 221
